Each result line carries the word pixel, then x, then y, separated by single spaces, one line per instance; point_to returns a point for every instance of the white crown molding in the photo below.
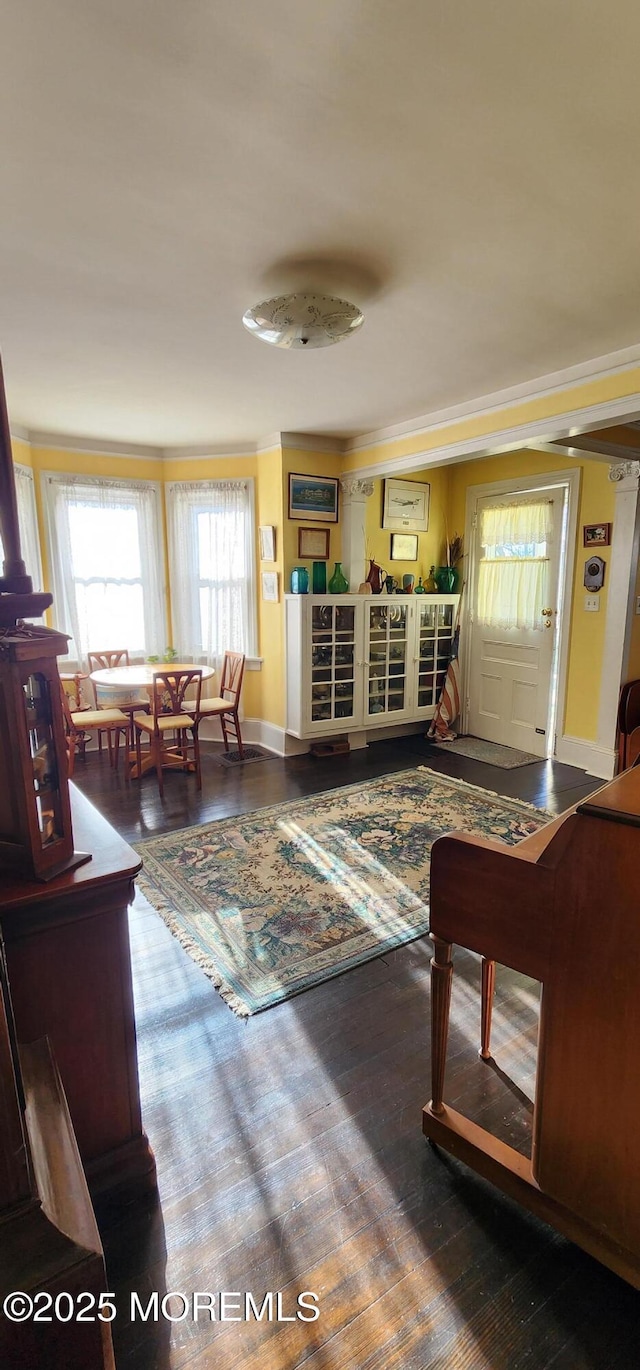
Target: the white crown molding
pixel 208 452
pixel 94 447
pixel 313 442
pixel 19 433
pixel 502 440
pixel 540 388
pixel 571 423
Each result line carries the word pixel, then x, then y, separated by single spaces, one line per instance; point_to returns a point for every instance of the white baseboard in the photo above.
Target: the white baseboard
pixel 589 756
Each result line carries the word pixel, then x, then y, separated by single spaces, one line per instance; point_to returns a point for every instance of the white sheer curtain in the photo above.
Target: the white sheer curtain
pixel 106 547
pixel 211 561
pixel 513 574
pixel 27 523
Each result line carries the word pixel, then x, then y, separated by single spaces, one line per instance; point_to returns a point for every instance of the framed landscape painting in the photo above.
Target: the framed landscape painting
pixel 313 497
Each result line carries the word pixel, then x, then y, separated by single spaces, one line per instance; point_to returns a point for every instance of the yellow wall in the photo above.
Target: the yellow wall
pixel 308 464
pixel 431 545
pixel 586 643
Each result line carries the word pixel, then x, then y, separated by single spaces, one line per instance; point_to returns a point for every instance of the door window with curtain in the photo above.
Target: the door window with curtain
pixel 513 571
pixel 211 558
pixel 107 564
pixel 27 523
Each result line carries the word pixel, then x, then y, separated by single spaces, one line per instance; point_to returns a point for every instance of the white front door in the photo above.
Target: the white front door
pixel 514 617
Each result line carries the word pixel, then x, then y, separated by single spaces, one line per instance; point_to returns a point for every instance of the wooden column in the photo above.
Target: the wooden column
pixel 355 493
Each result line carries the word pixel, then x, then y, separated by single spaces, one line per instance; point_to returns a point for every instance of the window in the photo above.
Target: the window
pixel 27 523
pixel 211 557
pixel 106 553
pixel 513 573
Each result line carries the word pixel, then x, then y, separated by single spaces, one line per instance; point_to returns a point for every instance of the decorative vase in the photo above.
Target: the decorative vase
pixel 338 585
pixel 446 578
pixel 431 587
pixel 390 584
pixel 408 582
pixel 376 577
pixel 319 577
pixel 299 580
pixel 419 589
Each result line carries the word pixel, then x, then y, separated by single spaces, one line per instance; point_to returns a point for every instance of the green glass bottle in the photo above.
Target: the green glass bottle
pixel 338 585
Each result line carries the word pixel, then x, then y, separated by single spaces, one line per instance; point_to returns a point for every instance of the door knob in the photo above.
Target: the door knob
pixel 547 615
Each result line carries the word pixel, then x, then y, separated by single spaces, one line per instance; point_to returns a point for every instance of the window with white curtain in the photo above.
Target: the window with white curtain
pixel 513 572
pixel 106 547
pixel 27 523
pixel 211 559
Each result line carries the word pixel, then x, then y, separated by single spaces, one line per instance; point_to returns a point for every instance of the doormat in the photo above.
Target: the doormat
pixel 275 901
pixel 233 757
pixel 493 753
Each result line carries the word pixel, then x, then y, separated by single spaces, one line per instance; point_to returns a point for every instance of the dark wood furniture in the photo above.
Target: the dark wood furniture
pixel 561 907
pixel 67 950
pixel 49 1242
pixel 629 724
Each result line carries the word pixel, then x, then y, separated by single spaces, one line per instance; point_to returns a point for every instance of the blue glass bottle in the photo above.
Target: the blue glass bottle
pixel 299 580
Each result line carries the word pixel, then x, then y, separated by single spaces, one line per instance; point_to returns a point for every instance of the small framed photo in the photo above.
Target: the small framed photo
pixel 313 544
pixel 404 546
pixel 405 506
pixel 314 497
pixel 597 534
pixel 270 586
pixel 267 534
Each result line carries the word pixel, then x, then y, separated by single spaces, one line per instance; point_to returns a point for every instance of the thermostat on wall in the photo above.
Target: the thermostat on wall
pixel 594 573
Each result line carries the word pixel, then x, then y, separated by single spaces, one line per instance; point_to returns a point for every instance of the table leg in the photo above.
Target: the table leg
pixel 441 976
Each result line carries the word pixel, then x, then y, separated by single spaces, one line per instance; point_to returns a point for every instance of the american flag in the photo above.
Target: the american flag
pixel 448 706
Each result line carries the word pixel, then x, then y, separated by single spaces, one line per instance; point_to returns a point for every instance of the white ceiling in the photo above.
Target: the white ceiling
pixel 158 156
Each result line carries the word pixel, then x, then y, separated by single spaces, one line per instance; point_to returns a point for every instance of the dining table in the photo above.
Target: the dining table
pixel 132 679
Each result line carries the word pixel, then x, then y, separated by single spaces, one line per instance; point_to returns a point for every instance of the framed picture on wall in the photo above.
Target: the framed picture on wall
pixel 267 535
pixel 404 546
pixel 405 506
pixel 270 586
pixel 313 544
pixel 314 497
pixel 597 534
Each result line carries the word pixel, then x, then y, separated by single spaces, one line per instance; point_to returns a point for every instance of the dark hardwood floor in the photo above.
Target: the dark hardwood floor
pixel 289 1147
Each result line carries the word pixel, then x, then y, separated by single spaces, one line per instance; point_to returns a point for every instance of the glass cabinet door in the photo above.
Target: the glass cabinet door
pixel 333 662
pixel 435 634
pixel 386 657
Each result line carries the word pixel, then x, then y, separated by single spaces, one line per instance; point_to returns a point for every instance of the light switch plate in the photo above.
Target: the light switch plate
pixel 592 604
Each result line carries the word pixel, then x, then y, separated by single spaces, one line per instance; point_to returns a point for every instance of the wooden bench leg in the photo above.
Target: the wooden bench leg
pixel 441 976
pixel 488 987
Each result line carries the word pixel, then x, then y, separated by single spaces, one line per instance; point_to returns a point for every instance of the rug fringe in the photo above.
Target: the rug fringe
pixel 490 794
pixel 205 962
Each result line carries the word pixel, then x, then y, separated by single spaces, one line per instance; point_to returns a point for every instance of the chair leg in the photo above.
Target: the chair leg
pixel 238 733
pixel 223 725
pixel 157 761
pixel 110 745
pixel 138 753
pixel 126 762
pixel 72 754
pixel 196 755
pixel 100 739
pixel 116 749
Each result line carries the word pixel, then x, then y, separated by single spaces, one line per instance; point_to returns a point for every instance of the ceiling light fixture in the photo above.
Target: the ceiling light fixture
pixel 303 320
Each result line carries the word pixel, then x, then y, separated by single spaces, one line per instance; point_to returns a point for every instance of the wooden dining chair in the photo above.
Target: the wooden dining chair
pixel 107 661
pixel 171 713
pixel 79 722
pixel 225 706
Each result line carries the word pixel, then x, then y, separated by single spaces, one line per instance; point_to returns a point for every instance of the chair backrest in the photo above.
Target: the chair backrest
pixel 232 673
pixel 105 661
pixel 170 688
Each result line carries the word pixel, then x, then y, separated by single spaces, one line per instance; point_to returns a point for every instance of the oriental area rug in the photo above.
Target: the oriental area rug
pixel 275 901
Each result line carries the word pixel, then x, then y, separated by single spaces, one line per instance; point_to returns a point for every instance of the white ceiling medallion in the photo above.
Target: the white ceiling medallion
pixel 303 320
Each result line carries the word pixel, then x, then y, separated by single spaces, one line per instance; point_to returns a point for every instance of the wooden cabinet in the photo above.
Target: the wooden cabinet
pixel 364 661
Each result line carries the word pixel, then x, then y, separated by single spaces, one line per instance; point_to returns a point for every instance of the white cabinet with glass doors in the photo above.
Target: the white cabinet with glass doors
pixel 364 661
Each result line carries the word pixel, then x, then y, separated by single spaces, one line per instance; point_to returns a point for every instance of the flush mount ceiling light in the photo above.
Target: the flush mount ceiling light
pixel 303 320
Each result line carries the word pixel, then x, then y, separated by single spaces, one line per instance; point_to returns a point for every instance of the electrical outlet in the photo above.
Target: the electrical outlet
pixel 591 604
